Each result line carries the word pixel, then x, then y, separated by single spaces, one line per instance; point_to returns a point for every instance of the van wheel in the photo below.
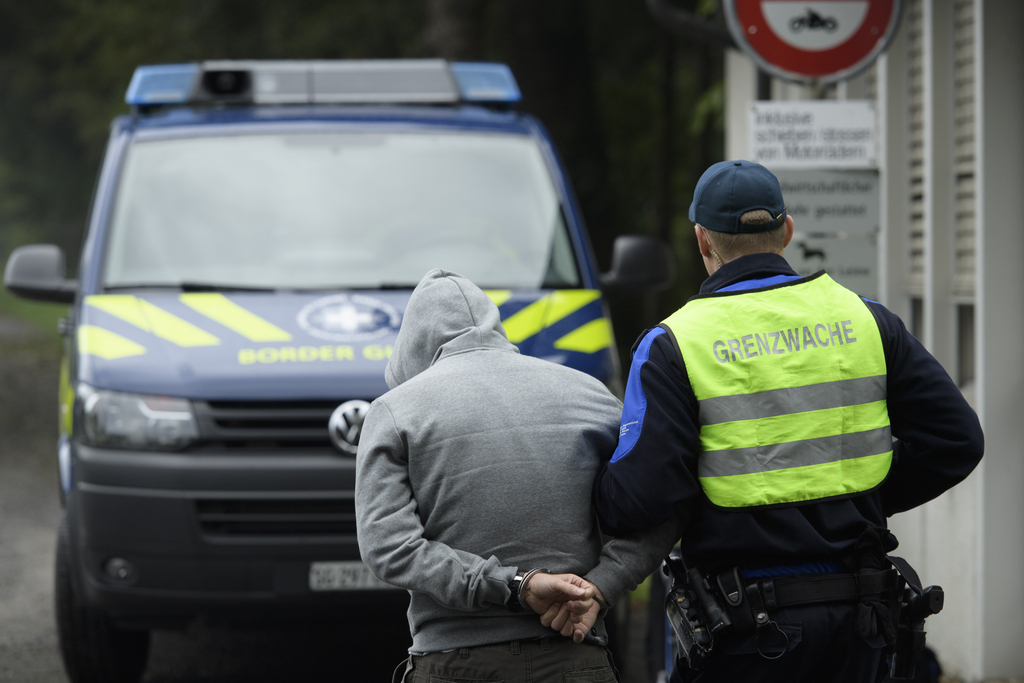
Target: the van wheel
pixel 94 650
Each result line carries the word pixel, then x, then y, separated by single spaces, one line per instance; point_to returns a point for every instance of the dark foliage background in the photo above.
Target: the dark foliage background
pixel 636 114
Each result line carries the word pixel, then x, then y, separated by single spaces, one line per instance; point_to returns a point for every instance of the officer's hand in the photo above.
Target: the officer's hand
pixel 544 590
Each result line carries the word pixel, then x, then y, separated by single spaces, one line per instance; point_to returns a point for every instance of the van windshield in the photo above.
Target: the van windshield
pixel 337 210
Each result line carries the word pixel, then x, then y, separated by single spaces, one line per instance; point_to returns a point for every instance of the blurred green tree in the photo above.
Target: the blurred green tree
pixel 636 114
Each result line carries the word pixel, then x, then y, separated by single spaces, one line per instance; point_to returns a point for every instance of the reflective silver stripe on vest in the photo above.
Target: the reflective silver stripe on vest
pixel 847 392
pixel 794 453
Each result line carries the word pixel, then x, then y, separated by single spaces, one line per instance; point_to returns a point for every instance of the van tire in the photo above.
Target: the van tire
pixel 93 649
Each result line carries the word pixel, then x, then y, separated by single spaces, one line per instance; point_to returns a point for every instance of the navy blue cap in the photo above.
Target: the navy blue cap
pixel 730 189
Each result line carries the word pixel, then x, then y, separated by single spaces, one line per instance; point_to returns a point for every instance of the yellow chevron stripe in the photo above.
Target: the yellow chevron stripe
pixel 527 322
pixel 594 336
pixel 547 311
pixel 223 310
pixel 150 318
pixel 498 296
pixel 97 341
pixel 66 398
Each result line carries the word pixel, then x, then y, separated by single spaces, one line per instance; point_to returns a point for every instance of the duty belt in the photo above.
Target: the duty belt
pixel 749 601
pixel 891 604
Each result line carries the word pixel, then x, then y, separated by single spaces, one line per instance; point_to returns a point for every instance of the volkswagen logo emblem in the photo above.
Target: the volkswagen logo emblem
pixel 346 424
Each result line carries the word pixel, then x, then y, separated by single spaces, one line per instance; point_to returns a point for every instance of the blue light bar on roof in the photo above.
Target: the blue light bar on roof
pixel 162 84
pixel 399 81
pixel 485 82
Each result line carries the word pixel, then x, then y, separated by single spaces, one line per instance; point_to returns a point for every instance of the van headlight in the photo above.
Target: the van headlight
pixel 117 420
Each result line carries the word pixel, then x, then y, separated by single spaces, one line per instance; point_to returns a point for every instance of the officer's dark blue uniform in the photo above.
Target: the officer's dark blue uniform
pixel 653 476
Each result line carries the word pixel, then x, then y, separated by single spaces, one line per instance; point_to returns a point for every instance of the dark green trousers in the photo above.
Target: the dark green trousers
pixel 543 660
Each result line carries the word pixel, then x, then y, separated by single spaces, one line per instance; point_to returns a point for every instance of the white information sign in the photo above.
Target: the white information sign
pixel 836 220
pixel 816 134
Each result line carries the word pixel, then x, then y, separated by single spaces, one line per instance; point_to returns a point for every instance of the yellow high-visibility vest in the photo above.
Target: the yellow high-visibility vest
pixel 791 386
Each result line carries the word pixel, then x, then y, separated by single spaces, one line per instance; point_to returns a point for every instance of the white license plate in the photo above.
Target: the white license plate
pixel 343 576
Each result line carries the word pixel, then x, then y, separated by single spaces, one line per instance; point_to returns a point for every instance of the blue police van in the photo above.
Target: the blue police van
pixel 255 234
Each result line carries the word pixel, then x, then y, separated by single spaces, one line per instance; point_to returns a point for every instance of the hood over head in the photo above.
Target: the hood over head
pixel 447 314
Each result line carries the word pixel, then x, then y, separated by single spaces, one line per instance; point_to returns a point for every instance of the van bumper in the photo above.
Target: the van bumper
pixel 214 535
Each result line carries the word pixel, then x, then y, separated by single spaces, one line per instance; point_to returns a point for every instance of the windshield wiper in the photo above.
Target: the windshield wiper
pixel 211 287
pixel 359 288
pixel 188 287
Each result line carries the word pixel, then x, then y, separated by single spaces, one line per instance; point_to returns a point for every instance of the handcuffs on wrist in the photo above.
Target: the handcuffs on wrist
pixel 515 601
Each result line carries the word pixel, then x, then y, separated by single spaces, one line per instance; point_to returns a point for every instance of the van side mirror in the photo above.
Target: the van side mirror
pixel 36 271
pixel 639 264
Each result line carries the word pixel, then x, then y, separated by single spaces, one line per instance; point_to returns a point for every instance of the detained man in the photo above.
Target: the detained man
pixel 473 482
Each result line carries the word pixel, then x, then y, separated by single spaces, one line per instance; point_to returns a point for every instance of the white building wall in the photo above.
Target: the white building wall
pixel 941 538
pixel 952 178
pixel 1000 325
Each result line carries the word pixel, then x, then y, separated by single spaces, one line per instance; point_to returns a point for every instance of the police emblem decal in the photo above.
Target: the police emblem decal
pixel 349 318
pixel 346 424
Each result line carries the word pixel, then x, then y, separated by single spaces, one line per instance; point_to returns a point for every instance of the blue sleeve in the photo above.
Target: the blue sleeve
pixel 634 405
pixel 652 474
pixel 938 435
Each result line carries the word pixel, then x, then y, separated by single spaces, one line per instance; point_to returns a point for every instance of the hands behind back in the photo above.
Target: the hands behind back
pixel 574 618
pixel 565 602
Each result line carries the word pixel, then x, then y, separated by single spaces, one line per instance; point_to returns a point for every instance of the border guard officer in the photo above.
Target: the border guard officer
pixel 781 419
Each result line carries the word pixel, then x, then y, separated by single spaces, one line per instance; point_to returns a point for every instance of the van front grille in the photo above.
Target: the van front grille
pixel 277 517
pixel 265 424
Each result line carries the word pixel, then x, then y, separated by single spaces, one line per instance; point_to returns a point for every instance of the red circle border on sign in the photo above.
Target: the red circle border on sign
pixel 795 63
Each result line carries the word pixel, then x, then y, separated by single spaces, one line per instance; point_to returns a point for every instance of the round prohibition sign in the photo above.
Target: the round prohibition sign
pixel 820 41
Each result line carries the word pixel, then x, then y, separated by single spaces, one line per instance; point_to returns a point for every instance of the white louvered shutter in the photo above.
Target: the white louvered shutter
pixel 915 135
pixel 963 145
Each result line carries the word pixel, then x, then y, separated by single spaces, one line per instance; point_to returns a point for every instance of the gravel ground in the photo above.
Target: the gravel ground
pixel 29 504
pixel 29 515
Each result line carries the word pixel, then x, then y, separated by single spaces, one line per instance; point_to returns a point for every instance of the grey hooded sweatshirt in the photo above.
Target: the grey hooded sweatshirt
pixel 478 463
